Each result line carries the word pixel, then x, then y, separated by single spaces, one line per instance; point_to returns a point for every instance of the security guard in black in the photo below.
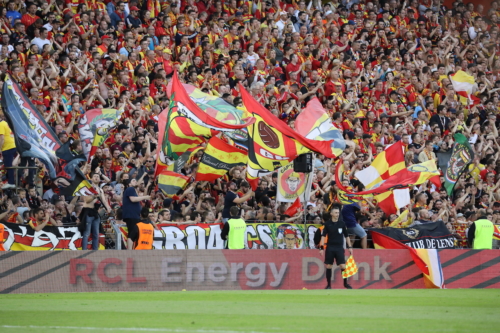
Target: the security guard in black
pixel 335 231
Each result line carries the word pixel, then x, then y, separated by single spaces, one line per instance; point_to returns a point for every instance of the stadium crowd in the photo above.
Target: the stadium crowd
pixel 380 68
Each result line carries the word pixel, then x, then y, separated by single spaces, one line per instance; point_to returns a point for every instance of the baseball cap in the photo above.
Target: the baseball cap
pixel 105 37
pixel 134 8
pixel 168 51
pixel 122 126
pixel 469 214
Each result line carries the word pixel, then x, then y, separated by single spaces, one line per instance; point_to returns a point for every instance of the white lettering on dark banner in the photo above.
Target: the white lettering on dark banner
pixel 431 243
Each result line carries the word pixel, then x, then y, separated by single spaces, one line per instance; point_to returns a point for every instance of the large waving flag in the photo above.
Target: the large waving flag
pixel 464 84
pixel 461 156
pixel 385 165
pixel 170 182
pixel 33 136
pixel 184 125
pixel 219 109
pixel 272 143
pixel 314 123
pixel 426 259
pixel 381 241
pixel 186 158
pixel 413 175
pixel 344 197
pixel 218 158
pixel 70 180
pixel 95 127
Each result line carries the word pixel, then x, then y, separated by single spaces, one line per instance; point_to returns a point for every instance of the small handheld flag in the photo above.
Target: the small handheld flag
pixel 350 268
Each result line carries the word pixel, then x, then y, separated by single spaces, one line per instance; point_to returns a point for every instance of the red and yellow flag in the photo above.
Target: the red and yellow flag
pixel 170 182
pixel 218 158
pixel 350 268
pixel 272 143
pixel 184 125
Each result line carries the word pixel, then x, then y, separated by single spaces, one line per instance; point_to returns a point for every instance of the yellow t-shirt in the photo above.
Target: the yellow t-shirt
pixel 8 136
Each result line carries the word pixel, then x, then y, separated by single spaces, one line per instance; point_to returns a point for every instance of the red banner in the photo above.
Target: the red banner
pixel 82 271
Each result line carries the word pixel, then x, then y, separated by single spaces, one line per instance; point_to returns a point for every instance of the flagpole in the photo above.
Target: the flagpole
pixel 307 192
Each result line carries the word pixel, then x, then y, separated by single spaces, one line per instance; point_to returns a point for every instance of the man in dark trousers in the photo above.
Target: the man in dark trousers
pixel 333 235
pixel 235 228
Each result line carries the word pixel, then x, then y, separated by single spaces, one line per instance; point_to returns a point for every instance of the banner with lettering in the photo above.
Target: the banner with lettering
pixel 24 238
pixel 33 136
pixel 258 236
pixel 424 236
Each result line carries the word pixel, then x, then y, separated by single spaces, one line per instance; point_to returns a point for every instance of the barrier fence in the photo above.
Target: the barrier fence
pixel 175 270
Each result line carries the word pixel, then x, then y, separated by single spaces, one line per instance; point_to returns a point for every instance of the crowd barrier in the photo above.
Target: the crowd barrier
pixel 175 270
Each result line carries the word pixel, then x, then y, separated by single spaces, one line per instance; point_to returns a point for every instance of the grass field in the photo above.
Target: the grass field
pixel 255 311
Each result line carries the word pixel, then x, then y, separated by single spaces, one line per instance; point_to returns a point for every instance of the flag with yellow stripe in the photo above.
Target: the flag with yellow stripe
pixel 273 144
pixel 170 182
pixel 218 158
pixel 386 164
pixel 183 125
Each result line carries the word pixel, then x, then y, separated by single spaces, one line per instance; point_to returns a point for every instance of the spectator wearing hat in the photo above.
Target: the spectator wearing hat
pixel 106 42
pixel 133 21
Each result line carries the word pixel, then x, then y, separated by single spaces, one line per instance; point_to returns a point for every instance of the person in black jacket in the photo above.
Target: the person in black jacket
pixel 441 119
pixel 336 231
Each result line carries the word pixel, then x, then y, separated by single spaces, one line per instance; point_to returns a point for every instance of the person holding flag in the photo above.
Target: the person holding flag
pixel 336 231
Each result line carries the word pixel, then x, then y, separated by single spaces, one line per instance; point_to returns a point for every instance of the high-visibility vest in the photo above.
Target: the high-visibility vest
pixel 145 238
pixel 2 230
pixel 237 229
pixel 483 236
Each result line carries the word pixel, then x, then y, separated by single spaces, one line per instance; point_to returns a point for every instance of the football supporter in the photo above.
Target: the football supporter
pixel 383 74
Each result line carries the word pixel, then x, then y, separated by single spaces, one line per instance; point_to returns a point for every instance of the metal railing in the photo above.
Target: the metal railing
pixel 118 235
pixel 16 173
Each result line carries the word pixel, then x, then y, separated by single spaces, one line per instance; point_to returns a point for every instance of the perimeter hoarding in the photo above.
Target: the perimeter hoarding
pixel 174 270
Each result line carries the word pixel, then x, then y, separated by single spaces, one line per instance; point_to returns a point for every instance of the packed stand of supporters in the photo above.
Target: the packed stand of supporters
pixel 380 69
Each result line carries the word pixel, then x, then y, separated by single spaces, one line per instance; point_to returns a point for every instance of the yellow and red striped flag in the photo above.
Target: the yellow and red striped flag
pixel 496 232
pixel 184 125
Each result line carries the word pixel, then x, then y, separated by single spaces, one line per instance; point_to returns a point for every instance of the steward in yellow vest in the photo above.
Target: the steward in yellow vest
pixel 480 234
pixel 234 230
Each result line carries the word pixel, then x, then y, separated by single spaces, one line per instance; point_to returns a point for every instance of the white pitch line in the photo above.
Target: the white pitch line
pixel 129 329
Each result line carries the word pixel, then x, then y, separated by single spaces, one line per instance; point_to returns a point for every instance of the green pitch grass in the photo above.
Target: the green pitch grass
pixel 255 311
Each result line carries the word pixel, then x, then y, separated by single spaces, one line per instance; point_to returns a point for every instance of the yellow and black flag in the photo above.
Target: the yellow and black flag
pixel 218 159
pixel 170 182
pixel 272 143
